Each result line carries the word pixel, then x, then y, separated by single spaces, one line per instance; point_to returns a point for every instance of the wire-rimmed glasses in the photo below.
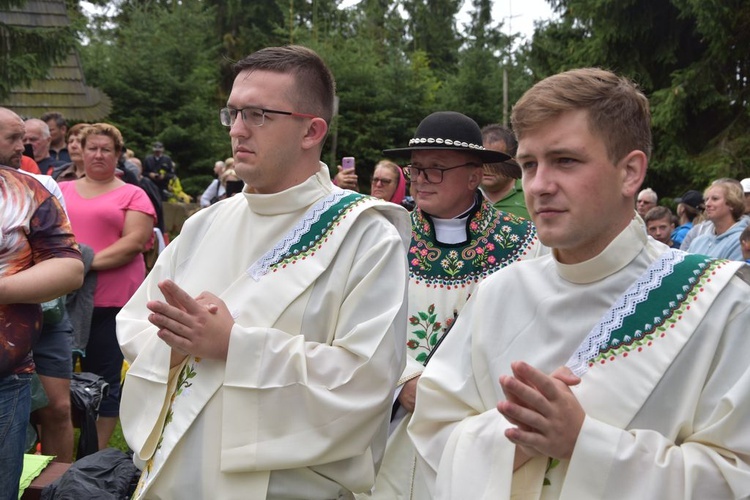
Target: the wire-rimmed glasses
pixel 434 174
pixel 254 116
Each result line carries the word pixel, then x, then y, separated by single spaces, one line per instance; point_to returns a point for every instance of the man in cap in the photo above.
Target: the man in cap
pixel 611 368
pixel 689 206
pixel 458 239
pixel 746 189
pixel 159 168
pixel 501 182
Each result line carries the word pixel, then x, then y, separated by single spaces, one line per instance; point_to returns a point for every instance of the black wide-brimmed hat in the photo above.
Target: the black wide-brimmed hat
pixel 452 131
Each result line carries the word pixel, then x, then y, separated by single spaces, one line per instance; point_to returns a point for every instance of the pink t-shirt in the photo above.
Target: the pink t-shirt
pixel 98 223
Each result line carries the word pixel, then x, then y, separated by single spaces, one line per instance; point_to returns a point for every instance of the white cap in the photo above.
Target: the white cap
pixel 745 185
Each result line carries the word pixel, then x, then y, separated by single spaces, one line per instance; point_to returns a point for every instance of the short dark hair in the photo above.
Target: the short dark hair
pixel 315 87
pixel 76 129
pixel 658 213
pixel 496 132
pixel 745 236
pixel 54 115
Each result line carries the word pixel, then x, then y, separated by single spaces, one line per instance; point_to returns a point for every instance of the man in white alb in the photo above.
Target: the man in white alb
pixel 614 367
pixel 266 342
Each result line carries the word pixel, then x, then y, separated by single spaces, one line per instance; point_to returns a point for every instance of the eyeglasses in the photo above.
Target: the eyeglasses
pixel 385 182
pixel 434 174
pixel 253 116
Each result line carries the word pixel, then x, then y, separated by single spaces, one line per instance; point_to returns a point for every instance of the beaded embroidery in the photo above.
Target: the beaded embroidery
pixel 309 233
pixel 656 299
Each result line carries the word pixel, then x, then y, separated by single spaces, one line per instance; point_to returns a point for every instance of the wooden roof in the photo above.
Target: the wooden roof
pixel 64 89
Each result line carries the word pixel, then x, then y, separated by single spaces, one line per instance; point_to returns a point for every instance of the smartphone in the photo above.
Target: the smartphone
pixel 347 162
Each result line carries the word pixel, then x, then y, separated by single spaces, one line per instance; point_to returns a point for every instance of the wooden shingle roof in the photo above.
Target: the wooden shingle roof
pixel 64 89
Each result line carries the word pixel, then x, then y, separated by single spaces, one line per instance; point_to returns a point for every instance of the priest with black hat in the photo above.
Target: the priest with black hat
pixel 457 240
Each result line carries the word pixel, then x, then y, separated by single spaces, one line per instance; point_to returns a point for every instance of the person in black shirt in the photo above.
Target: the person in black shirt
pixel 159 168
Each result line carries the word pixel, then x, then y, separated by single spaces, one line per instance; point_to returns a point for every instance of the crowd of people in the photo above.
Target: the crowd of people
pixel 506 315
pixel 711 223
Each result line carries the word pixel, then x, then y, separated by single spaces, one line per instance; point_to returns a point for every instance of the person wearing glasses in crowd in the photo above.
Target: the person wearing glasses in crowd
pixel 266 342
pixel 388 182
pixel 458 239
pixel 647 199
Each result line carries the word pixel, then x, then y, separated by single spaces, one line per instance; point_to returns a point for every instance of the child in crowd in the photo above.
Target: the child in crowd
pixel 745 244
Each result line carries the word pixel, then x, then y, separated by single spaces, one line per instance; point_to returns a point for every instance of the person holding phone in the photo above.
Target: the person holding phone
pixel 346 178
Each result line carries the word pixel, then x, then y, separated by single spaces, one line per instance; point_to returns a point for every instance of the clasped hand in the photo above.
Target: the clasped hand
pixel 197 326
pixel 546 413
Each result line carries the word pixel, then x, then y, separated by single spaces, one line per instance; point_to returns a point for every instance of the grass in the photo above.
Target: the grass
pixel 117 440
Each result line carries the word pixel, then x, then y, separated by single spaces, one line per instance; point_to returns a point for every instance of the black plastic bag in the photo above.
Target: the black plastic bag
pixel 86 393
pixel 108 474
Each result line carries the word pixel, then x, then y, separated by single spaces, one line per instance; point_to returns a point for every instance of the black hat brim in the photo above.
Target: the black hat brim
pixel 486 155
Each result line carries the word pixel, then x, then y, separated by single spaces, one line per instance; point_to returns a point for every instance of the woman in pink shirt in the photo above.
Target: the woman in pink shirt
pixel 116 220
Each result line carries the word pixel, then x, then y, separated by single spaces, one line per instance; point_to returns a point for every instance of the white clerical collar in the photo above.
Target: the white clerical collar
pixel 619 253
pixel 450 231
pixel 295 198
pixel 453 231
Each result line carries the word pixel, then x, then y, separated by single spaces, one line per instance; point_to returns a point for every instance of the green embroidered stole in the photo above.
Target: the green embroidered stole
pixel 649 308
pixel 293 251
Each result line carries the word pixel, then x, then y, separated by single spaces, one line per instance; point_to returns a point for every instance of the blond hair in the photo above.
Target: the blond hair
pixel 103 129
pixel 733 195
pixel 618 111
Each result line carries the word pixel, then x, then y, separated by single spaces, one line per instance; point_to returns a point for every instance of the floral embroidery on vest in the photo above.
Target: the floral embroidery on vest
pixel 187 373
pixel 496 239
pixel 427 333
pixel 442 277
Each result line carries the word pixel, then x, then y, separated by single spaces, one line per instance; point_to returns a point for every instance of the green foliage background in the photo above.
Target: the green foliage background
pixel 167 66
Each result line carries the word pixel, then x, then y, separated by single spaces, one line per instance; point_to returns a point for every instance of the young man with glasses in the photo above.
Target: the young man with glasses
pixel 457 240
pixel 267 339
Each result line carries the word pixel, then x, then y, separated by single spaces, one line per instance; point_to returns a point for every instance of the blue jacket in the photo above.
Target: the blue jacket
pixel 679 233
pixel 723 246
